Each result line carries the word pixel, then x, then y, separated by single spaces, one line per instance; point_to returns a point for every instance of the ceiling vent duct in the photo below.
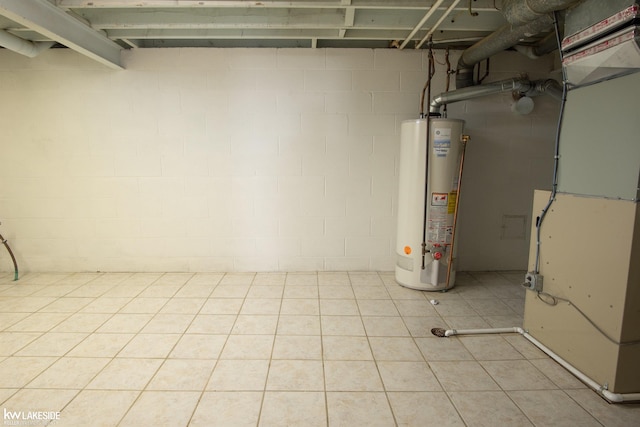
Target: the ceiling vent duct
pixel 525 18
pixel 518 12
pixel 604 49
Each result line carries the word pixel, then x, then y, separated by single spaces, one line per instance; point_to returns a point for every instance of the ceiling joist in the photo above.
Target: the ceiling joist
pixel 54 23
pixel 100 29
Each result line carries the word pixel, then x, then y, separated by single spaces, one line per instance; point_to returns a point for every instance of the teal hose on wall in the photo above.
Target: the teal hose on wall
pixel 13 258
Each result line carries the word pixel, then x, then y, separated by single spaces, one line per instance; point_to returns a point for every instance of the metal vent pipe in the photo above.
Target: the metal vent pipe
pixel 514 84
pixel 522 85
pixel 549 87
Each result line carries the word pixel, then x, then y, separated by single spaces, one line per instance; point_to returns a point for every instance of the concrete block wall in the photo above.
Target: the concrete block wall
pixel 245 159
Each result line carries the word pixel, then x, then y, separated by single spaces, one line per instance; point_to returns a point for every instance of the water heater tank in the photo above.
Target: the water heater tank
pixel 440 191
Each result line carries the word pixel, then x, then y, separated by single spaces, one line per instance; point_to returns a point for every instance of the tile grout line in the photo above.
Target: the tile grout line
pixel 273 344
pixel 206 383
pixel 375 361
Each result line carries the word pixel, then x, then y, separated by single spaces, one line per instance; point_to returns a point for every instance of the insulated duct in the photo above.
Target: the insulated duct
pixel 518 12
pixel 544 46
pixel 502 39
pixel 22 46
pixel 526 18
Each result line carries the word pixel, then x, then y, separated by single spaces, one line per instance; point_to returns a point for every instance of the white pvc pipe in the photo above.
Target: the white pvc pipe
pixel 424 19
pixel 451 332
pixel 435 272
pixel 601 389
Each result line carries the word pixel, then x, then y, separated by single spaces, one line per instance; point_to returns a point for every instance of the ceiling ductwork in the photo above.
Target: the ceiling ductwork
pixel 544 46
pixel 525 18
pixel 501 40
pixel 518 12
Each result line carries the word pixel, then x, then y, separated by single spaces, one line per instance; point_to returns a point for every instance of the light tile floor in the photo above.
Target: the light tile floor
pixel 279 349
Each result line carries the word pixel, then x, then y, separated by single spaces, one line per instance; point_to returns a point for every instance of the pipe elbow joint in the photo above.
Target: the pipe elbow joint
pixel 434 106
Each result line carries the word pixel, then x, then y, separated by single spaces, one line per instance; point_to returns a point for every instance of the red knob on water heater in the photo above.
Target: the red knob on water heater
pixel 437 255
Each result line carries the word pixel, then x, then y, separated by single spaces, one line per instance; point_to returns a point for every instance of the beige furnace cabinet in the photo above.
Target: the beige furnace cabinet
pixel 589 255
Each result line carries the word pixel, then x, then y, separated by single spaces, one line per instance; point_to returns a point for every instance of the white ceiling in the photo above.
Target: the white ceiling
pixel 101 28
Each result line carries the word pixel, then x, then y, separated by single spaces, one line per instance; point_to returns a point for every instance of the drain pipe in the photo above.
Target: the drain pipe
pixel 22 46
pixel 600 389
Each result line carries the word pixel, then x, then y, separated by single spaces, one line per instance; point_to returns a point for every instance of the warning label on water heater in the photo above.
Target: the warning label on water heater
pixel 441 141
pixel 451 207
pixel 439 199
pixel 438 219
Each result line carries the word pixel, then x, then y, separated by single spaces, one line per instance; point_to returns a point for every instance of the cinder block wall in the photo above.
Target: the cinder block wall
pixel 247 160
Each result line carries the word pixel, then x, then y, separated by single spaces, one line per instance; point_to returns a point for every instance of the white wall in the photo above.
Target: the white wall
pixel 509 156
pixel 244 159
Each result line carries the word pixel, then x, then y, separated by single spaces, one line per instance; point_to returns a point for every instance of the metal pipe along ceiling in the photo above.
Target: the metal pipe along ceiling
pixel 500 40
pixel 519 12
pixel 526 18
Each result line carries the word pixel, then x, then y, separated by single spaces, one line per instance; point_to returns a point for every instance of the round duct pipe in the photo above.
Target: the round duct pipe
pixel 519 12
pixel 509 85
pixel 526 18
pixel 545 46
pixel 520 85
pixel 500 40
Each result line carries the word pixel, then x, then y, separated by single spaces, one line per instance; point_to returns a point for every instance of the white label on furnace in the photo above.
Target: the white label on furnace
pixel 441 141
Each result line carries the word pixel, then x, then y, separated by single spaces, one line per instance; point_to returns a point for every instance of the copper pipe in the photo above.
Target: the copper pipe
pixel 465 139
pixel 427 85
pixel 427 170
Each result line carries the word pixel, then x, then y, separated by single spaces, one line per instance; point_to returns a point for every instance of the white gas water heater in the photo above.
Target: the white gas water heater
pixel 430 172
